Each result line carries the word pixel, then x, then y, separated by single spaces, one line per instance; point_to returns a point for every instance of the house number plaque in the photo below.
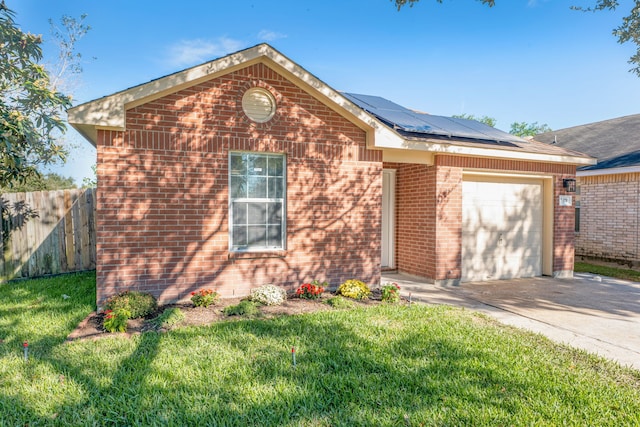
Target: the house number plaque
pixel 566 201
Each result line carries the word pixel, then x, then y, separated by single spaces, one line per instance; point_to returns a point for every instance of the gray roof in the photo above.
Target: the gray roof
pixel 615 143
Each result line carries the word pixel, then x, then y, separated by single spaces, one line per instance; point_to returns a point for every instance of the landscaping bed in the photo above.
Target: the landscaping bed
pixel 91 327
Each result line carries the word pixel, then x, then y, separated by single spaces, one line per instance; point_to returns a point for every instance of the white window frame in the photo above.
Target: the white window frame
pixel 283 200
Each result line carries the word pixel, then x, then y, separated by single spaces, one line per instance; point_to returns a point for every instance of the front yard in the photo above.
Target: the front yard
pixel 379 365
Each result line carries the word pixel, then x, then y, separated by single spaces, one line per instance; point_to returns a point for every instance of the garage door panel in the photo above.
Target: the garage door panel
pixel 502 229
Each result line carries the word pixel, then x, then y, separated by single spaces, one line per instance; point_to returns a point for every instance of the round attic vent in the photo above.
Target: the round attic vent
pixel 259 104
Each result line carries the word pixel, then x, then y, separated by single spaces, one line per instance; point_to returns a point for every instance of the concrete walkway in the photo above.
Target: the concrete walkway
pixel 597 314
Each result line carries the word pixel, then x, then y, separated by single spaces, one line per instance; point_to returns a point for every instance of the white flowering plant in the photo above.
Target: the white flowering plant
pixel 268 295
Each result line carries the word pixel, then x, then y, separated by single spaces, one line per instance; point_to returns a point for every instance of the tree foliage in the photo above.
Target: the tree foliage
pixel 627 31
pixel 50 181
pixel 92 181
pixel 528 129
pixel 484 119
pixel 31 113
pixel 66 35
pixel 517 128
pixel 400 3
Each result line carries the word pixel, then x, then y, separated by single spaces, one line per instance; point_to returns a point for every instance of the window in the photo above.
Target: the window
pixel 257 201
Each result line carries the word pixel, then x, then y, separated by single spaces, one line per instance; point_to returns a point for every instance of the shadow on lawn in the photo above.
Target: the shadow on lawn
pixel 341 377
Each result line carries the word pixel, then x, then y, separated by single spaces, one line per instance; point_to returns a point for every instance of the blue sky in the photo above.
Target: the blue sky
pixel 522 60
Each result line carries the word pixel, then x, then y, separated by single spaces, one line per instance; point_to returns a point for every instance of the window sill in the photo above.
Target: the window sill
pixel 257 255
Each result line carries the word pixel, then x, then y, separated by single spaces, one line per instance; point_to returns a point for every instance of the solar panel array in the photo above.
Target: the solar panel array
pixel 427 124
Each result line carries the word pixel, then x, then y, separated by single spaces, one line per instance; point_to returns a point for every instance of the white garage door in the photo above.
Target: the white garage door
pixel 501 228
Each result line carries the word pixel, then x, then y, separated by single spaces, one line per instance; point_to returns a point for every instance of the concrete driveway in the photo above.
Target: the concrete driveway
pixel 597 314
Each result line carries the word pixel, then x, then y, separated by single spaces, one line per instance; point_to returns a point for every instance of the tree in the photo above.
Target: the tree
pixel 484 119
pixel 528 129
pixel 69 63
pixel 628 31
pixel 31 113
pixel 91 182
pixel 50 181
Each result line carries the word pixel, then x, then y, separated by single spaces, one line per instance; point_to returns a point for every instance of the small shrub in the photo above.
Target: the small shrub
pixel 311 290
pixel 340 302
pixel 169 318
pixel 268 295
pixel 116 320
pixel 390 292
pixel 138 304
pixel 245 308
pixel 355 289
pixel 204 298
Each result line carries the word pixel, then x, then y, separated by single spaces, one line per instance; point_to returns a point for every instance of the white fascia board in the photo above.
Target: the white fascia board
pixel 109 112
pixel 375 130
pixel 458 150
pixel 609 171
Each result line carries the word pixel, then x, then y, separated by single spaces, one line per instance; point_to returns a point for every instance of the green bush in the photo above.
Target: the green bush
pixel 339 302
pixel 355 289
pixel 116 320
pixel 139 304
pixel 245 308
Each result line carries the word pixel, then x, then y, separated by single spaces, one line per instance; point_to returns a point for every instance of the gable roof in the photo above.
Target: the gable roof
pixel 108 112
pixel 388 126
pixel 615 142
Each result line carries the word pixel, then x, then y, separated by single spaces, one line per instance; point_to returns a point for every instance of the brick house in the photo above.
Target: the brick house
pixel 608 198
pixel 249 170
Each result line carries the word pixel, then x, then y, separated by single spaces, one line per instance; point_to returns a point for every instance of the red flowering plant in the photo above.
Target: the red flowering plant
pixel 116 320
pixel 204 297
pixel 390 292
pixel 311 290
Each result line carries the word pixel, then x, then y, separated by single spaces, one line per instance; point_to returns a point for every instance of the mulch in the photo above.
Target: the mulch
pixel 91 326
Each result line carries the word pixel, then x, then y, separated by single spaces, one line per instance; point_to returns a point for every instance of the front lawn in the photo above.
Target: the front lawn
pixel 384 365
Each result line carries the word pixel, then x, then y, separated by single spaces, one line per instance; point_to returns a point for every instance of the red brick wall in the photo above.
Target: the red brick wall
pixel 429 213
pixel 448 222
pixel 163 202
pixel 563 228
pixel 610 218
pixel 415 218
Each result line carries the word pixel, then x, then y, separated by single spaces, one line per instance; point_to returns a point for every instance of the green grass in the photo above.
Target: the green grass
pixel 169 318
pixel 620 273
pixel 340 302
pixel 244 308
pixel 385 365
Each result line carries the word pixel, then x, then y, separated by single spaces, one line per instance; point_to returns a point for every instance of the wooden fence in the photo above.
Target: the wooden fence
pixel 47 232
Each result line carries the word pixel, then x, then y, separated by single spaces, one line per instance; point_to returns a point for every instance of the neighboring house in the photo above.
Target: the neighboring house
pixel 608 208
pixel 249 170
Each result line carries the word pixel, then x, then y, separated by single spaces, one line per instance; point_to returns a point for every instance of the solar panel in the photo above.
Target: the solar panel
pixel 428 124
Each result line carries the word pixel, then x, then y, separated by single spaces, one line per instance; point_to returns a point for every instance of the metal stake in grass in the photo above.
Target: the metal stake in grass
pixel 409 298
pixel 293 356
pixel 25 346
